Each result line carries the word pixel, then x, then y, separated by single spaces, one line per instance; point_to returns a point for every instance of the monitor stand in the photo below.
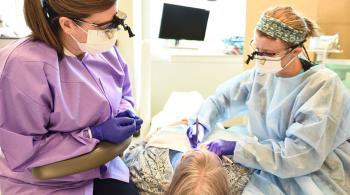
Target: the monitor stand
pixel 185 44
pixel 177 42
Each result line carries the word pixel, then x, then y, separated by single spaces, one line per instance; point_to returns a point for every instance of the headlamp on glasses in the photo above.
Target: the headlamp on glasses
pixel 118 20
pixel 256 54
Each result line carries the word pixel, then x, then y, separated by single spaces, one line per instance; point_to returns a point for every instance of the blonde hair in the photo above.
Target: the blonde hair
pixel 291 18
pixel 47 29
pixel 199 173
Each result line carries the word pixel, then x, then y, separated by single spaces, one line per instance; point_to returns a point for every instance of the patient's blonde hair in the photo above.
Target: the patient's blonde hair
pixel 200 172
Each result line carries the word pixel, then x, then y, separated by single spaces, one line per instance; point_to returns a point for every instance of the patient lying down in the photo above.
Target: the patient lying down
pixel 164 164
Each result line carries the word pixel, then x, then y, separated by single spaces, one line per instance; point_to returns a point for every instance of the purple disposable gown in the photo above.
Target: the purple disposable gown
pixel 46 109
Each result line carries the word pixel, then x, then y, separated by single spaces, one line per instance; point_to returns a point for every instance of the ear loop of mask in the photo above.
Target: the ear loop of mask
pixel 76 40
pixel 305 53
pixel 86 32
pixel 284 67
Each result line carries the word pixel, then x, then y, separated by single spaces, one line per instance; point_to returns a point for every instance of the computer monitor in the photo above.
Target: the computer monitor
pixel 181 22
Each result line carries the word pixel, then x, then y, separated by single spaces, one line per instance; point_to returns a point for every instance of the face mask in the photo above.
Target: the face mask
pixel 270 65
pixel 97 41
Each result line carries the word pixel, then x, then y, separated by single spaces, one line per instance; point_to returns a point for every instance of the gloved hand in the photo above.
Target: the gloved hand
pixel 114 130
pixel 222 147
pixel 194 135
pixel 128 113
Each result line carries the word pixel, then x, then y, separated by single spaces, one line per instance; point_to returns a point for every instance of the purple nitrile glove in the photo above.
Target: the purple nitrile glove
pixel 130 114
pixel 114 130
pixel 222 147
pixel 195 136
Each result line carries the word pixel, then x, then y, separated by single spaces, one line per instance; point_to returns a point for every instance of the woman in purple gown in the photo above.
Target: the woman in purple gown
pixel 62 90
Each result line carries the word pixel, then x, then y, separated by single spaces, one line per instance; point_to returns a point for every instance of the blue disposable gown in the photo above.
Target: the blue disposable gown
pixel 297 131
pixel 46 109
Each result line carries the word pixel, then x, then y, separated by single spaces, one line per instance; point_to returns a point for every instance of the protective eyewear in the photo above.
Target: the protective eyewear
pixel 268 56
pixel 118 20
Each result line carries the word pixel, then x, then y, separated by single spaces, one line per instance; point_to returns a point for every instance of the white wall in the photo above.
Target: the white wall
pixel 126 44
pixel 190 72
pixel 202 69
pixel 136 53
pixel 12 13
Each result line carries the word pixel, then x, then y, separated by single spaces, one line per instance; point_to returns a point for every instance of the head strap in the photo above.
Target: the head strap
pixel 277 29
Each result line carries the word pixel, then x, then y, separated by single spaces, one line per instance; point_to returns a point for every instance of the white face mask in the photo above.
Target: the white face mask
pixel 270 65
pixel 97 41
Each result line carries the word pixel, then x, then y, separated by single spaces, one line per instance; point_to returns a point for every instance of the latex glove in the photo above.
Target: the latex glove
pixel 222 147
pixel 195 136
pixel 130 114
pixel 114 130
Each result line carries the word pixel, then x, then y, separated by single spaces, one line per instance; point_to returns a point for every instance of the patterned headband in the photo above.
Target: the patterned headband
pixel 280 30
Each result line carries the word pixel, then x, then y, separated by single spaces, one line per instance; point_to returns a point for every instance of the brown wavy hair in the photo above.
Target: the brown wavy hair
pixel 48 29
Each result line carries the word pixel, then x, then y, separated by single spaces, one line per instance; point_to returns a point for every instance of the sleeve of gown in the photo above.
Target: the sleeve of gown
pixel 309 139
pixel 127 101
pixel 26 104
pixel 228 100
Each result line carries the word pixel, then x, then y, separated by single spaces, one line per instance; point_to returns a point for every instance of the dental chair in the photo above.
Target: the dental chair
pixel 103 153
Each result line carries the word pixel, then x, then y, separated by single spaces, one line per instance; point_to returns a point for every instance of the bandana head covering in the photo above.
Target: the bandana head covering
pixel 277 29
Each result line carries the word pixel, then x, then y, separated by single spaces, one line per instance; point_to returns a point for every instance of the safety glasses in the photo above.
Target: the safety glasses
pixel 269 56
pixel 109 27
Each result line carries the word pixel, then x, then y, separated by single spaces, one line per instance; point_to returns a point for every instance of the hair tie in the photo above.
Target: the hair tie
pixel 48 11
